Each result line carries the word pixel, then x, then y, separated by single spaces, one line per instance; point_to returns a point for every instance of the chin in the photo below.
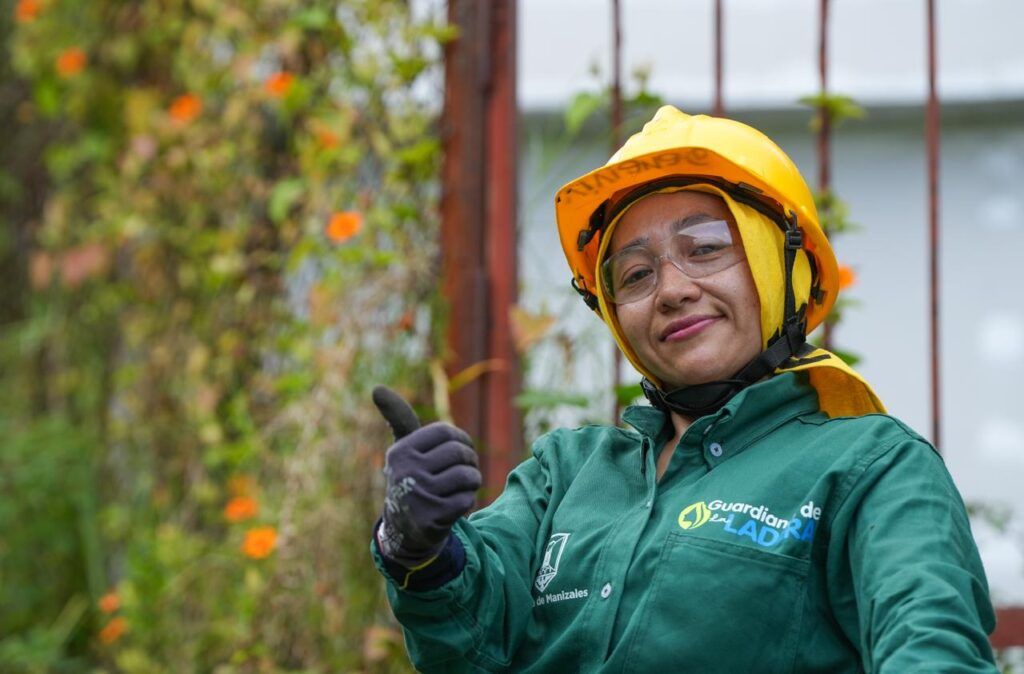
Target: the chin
pixel 697 368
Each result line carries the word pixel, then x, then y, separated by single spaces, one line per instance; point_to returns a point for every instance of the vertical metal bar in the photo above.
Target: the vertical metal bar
pixel 932 139
pixel 464 278
pixel 503 430
pixel 719 105
pixel 824 135
pixel 616 141
pixel 478 218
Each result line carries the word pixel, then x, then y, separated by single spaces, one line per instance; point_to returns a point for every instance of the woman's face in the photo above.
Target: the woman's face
pixel 688 331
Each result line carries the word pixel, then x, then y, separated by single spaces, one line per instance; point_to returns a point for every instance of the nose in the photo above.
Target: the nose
pixel 674 287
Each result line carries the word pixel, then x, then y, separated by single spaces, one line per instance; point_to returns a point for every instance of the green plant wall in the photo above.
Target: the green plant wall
pixel 219 232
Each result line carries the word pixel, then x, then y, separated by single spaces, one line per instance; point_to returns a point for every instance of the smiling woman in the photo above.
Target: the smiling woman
pixel 764 514
pixel 700 318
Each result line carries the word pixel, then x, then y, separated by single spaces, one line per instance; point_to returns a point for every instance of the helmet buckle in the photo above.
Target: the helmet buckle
pixel 596 224
pixel 794 238
pixel 588 297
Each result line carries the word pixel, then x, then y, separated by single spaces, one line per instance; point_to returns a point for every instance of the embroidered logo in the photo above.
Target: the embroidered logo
pixel 552 556
pixel 694 515
pixel 755 522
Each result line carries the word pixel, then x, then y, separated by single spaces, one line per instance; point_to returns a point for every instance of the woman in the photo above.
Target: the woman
pixel 763 515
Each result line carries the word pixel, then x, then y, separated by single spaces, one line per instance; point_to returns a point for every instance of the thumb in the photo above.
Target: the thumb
pixel 395 411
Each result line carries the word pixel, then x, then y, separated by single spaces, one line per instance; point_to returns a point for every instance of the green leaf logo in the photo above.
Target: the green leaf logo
pixel 694 515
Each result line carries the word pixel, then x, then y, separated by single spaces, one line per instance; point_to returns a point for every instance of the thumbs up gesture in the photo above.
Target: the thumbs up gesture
pixel 432 476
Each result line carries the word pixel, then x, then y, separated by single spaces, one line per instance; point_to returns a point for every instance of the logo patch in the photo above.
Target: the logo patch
pixel 694 515
pixel 552 556
pixel 756 522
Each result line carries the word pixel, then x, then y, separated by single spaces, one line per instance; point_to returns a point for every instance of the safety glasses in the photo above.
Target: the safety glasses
pixel 699 250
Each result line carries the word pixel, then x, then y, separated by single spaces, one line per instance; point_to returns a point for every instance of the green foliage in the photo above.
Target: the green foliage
pixel 833 213
pixel 837 108
pixel 206 295
pixel 627 394
pixel 582 107
pixel 595 104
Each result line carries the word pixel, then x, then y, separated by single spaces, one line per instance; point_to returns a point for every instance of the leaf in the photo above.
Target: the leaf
pixel 314 18
pixel 441 388
pixel 626 394
pixel 419 153
pixel 283 196
pixel 475 370
pixel 47 97
pixel 541 399
pixel 529 328
pixel 409 68
pixel 645 99
pixel 837 107
pixel 442 32
pixel 580 109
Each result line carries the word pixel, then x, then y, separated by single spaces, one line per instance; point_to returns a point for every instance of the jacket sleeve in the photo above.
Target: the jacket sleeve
pixel 477 618
pixel 912 567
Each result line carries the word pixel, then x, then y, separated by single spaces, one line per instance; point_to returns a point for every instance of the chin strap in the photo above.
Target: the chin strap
pixel 789 342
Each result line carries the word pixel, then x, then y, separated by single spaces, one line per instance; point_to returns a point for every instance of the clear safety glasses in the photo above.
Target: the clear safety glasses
pixel 698 250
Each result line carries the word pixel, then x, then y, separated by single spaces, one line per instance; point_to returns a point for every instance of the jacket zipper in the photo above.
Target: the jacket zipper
pixel 644 446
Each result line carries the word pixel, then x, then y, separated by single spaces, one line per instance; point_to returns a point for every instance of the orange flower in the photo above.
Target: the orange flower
pixel 328 139
pixel 259 542
pixel 26 11
pixel 343 225
pixel 110 602
pixel 406 322
pixel 113 630
pixel 278 84
pixel 241 508
pixel 71 62
pixel 185 108
pixel 847 277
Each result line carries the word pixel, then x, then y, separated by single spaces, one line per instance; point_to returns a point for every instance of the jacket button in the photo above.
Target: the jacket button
pixel 606 590
pixel 715 449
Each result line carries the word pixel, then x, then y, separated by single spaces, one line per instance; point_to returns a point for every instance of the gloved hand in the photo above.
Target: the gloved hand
pixel 432 475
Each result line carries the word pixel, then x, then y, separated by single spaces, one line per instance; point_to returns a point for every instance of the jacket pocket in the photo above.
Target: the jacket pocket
pixel 719 607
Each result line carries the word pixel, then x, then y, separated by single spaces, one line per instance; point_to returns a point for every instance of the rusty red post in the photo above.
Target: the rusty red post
pixel 824 135
pixel 719 103
pixel 1009 630
pixel 478 217
pixel 616 140
pixel 462 189
pixel 932 139
pixel 502 432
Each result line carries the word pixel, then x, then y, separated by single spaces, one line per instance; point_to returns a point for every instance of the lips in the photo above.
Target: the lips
pixel 681 328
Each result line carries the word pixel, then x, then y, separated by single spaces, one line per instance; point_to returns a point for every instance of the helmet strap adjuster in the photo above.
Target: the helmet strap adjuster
pixel 589 298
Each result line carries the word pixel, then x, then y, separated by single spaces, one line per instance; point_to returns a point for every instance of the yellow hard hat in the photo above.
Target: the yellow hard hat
pixel 732 156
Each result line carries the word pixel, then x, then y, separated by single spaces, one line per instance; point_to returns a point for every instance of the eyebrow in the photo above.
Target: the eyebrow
pixel 678 225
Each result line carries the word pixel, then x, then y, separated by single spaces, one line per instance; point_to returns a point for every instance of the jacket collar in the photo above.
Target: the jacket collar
pixel 750 414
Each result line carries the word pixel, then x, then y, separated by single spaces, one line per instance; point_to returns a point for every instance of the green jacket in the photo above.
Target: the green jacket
pixel 778 540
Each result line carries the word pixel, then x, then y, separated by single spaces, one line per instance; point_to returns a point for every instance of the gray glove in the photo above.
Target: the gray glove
pixel 432 476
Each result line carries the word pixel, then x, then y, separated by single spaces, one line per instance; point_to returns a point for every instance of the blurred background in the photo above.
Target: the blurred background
pixel 224 222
